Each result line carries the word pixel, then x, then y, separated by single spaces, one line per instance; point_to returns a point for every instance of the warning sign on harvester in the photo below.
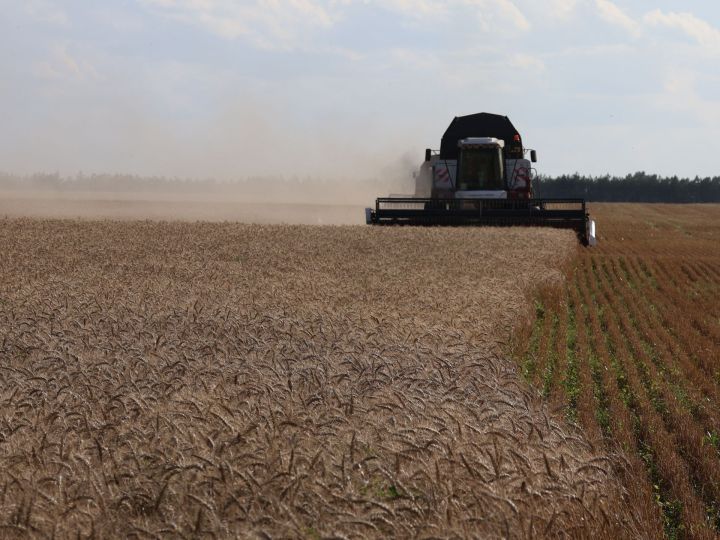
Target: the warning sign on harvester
pixel 443 175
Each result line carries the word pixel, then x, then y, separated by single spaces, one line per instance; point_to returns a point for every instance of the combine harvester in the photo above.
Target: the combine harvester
pixel 480 177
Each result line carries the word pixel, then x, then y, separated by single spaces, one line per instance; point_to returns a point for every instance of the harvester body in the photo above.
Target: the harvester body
pixel 480 176
pixel 481 171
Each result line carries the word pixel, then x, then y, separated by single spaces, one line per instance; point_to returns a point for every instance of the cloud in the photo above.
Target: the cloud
pixel 706 35
pixel 45 12
pixel 62 64
pixel 511 12
pixel 417 8
pixel 680 94
pixel 526 61
pixel 268 24
pixel 562 9
pixel 292 24
pixel 612 14
pixel 456 9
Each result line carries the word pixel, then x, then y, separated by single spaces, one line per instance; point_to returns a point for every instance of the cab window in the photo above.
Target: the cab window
pixel 480 169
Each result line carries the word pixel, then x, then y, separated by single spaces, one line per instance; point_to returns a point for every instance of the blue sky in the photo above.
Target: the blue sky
pixel 354 88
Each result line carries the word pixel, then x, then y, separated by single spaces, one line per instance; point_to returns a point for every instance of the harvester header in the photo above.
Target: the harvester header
pixel 480 176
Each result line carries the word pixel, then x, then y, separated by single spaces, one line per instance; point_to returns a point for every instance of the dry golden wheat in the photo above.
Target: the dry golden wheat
pixel 188 380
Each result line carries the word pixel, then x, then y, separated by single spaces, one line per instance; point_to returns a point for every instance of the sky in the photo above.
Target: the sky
pixel 343 89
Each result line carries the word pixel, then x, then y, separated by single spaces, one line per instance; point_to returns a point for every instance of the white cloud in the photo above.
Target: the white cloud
pixel 562 9
pixel 697 29
pixel 526 61
pixel 680 94
pixel 269 24
pixel 454 9
pixel 62 64
pixel 274 24
pixel 616 16
pixel 417 8
pixel 511 12
pixel 43 11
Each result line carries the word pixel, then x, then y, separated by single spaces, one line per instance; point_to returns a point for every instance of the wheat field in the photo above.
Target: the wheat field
pixel 200 380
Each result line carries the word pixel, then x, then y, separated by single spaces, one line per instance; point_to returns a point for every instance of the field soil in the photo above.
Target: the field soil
pixel 213 379
pixel 630 347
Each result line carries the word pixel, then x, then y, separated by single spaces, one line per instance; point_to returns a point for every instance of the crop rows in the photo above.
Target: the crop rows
pixel 179 380
pixel 637 341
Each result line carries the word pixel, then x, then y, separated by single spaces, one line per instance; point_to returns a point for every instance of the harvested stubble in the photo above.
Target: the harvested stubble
pixel 645 305
pixel 187 380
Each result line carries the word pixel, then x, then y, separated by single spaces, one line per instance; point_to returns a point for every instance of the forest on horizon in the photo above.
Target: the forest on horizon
pixel 636 187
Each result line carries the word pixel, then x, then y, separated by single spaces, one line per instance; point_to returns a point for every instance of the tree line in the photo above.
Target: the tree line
pixel 637 187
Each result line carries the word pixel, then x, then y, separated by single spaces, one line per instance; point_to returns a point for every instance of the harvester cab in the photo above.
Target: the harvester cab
pixel 481 171
pixel 480 176
pixel 480 167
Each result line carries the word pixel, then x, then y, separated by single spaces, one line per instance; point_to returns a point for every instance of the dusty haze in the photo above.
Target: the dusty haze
pixel 253 200
pixel 183 207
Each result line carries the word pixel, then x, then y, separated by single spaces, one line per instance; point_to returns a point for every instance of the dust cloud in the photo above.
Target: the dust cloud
pixel 241 159
pixel 253 200
pixel 170 207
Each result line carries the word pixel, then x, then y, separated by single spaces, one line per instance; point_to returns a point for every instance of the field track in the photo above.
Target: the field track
pixel 631 348
pixel 187 380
